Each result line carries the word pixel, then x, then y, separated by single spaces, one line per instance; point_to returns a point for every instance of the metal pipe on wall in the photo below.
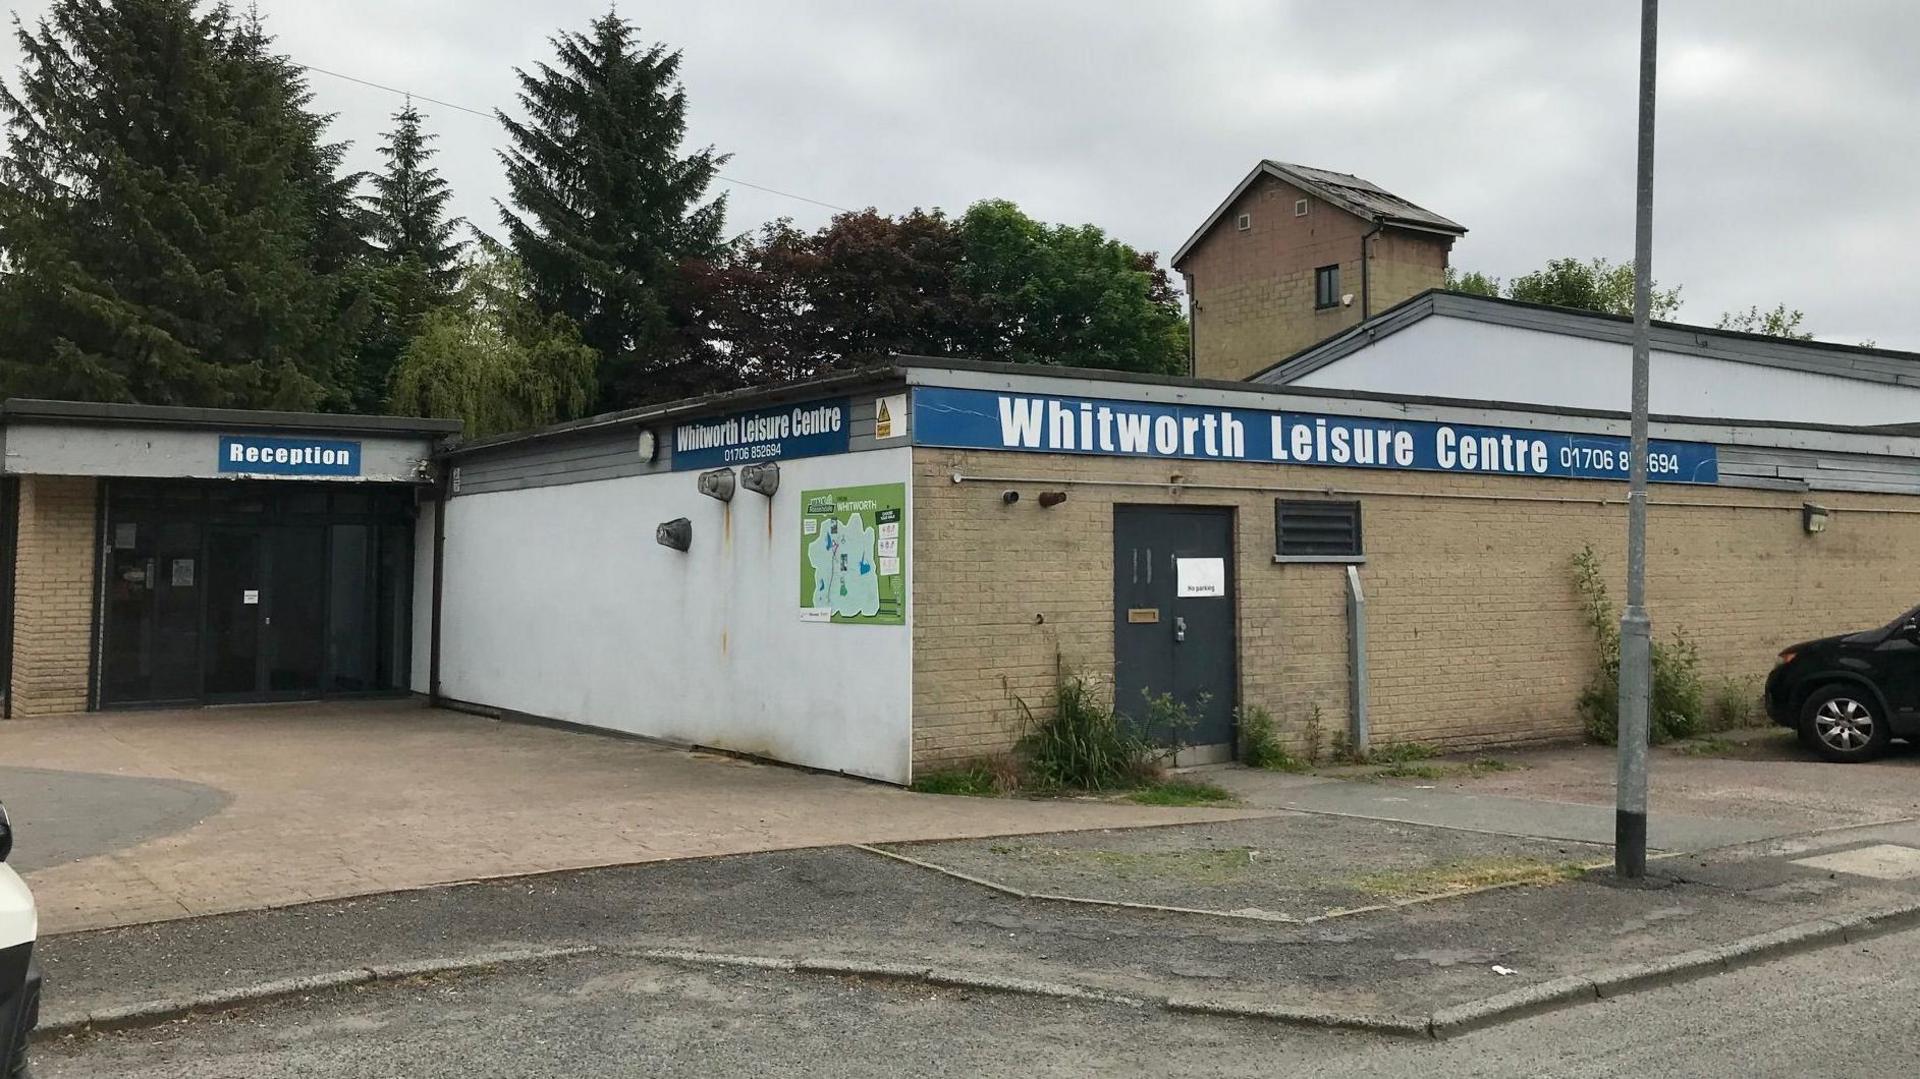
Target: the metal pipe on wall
pixel 1362 492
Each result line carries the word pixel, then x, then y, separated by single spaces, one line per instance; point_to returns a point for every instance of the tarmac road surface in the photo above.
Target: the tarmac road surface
pixel 1845 1011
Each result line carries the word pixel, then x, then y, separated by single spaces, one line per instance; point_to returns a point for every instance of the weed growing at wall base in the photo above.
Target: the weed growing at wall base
pixel 1081 744
pixel 1260 745
pixel 1678 697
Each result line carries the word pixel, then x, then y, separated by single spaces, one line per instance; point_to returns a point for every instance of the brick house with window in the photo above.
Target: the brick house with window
pixel 1295 255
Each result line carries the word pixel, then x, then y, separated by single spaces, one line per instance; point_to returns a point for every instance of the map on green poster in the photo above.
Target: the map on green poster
pixel 853 555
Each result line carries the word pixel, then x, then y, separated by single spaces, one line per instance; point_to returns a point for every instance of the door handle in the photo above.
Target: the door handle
pixel 1179 629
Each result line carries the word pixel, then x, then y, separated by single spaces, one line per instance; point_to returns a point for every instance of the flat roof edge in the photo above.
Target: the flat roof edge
pixel 48 411
pixel 1041 371
pixel 727 400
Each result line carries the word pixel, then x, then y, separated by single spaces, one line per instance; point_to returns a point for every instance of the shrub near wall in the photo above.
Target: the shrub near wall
pixel 1678 698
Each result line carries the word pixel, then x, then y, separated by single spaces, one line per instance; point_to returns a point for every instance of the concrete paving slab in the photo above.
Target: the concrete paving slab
pixel 315 802
pixel 1881 861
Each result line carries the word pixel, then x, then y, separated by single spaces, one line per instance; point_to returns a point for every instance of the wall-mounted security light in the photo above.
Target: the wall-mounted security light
pixel 1814 518
pixel 717 484
pixel 646 446
pixel 677 534
pixel 1050 499
pixel 764 479
pixel 1009 497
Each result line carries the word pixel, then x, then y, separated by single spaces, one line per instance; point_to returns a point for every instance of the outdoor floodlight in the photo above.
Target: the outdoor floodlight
pixel 1050 499
pixel 677 534
pixel 764 479
pixel 717 484
pixel 1814 518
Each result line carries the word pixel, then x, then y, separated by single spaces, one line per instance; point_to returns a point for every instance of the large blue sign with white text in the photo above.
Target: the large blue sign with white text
pixel 261 456
pixel 991 420
pixel 766 434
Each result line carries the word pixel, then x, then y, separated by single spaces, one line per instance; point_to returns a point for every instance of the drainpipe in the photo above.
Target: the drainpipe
pixel 443 493
pixel 1366 271
pixel 1193 327
pixel 1359 728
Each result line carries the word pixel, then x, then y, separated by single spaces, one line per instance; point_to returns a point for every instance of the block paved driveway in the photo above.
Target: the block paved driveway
pixel 143 816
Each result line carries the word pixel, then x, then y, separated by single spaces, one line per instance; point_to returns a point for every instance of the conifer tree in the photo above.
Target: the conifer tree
pixel 415 263
pixel 175 228
pixel 607 217
pixel 408 207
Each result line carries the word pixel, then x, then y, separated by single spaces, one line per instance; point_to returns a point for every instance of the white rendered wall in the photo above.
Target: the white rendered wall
pixel 557 602
pixel 422 657
pixel 1450 357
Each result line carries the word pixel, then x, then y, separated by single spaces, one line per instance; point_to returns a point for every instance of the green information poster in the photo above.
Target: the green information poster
pixel 853 555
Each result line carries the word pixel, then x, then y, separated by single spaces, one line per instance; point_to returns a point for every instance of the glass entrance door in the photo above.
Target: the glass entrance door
pixel 294 603
pixel 152 611
pixel 237 591
pixel 266 606
pixel 236 572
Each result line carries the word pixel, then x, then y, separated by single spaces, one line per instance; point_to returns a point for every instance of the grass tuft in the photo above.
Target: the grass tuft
pixel 1708 747
pixel 1445 770
pixel 1182 792
pixel 970 779
pixel 1466 876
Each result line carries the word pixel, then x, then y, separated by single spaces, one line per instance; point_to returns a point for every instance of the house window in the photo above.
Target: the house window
pixel 1326 287
pixel 1299 207
pixel 1316 531
pixel 1243 222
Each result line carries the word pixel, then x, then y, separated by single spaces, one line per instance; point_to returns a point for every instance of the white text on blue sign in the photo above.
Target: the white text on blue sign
pixel 986 420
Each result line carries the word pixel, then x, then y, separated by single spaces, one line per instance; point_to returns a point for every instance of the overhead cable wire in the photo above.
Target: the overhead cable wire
pixel 489 116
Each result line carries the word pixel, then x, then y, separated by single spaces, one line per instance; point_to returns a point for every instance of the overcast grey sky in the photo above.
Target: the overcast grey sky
pixel 1786 153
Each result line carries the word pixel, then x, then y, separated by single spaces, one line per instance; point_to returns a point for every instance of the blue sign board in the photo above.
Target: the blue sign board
pixel 766 434
pixel 261 456
pixel 992 420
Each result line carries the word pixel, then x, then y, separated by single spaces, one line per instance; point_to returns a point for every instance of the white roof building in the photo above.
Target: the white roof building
pixel 1477 348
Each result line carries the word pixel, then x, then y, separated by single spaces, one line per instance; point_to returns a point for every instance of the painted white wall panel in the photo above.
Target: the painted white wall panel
pixel 557 602
pixel 419 678
pixel 78 449
pixel 1450 357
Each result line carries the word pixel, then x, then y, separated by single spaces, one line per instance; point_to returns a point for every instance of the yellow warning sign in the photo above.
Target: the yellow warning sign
pixel 887 414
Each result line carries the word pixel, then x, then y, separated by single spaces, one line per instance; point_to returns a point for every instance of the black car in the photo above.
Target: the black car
pixel 1849 696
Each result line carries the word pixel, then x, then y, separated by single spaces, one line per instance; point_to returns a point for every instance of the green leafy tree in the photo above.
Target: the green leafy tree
pixel 993 285
pixel 790 304
pixel 492 359
pixel 1473 283
pixel 607 214
pixel 1775 322
pixel 1069 295
pixel 1595 285
pixel 414 266
pixel 175 228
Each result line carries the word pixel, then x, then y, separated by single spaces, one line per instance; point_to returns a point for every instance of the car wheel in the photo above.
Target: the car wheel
pixel 1844 724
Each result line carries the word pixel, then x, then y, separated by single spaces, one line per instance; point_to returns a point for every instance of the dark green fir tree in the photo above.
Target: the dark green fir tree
pixel 607 216
pixel 175 228
pixel 415 263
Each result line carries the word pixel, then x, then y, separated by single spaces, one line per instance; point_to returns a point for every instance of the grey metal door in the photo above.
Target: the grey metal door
pixel 1173 615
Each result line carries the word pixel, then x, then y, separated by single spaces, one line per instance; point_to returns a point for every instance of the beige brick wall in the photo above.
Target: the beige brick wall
pixel 53 595
pixel 1476 635
pixel 1253 291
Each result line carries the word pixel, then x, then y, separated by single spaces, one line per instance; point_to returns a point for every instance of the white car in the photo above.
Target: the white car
pixel 19 978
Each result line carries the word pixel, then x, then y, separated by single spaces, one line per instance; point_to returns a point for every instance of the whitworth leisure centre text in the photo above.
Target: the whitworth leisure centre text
pixel 979 419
